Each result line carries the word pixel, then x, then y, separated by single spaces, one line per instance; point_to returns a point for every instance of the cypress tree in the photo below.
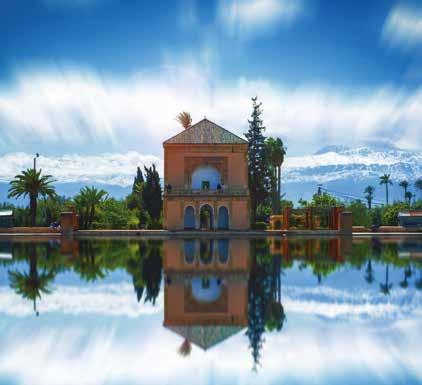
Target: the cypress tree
pixel 138 180
pixel 152 193
pixel 258 178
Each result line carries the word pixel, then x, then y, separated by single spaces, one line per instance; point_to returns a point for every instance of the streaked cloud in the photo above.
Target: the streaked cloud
pixel 76 111
pixel 243 17
pixel 404 26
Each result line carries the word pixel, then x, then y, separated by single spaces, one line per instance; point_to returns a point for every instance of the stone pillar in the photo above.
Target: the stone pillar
pixel 311 218
pixel 345 223
pixel 69 222
pixel 286 218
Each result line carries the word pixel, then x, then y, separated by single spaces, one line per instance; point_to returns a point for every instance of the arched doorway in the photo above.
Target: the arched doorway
pixel 189 219
pixel 223 218
pixel 206 218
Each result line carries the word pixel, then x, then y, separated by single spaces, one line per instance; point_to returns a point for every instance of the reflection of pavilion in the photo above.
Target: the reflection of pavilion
pixel 206 289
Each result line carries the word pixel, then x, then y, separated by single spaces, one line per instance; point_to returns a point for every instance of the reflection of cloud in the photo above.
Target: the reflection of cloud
pixel 404 26
pixel 105 300
pixel 241 17
pixel 77 111
pixel 120 300
pixel 306 351
pixel 358 304
pixel 115 169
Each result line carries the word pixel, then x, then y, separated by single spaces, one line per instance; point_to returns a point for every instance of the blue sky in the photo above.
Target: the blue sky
pixel 96 76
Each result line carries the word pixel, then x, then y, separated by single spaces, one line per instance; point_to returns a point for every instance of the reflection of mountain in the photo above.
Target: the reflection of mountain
pixel 206 289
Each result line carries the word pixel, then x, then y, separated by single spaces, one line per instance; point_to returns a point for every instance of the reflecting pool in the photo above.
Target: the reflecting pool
pixel 215 311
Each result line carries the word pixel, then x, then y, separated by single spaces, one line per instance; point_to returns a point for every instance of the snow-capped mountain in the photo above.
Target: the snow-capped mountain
pixel 348 171
pixel 339 169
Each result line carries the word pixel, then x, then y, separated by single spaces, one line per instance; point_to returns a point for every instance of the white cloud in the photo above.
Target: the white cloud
pixel 120 300
pixel 75 111
pixel 114 169
pixel 404 26
pixel 242 17
pixel 69 351
pixel 75 339
pixel 104 300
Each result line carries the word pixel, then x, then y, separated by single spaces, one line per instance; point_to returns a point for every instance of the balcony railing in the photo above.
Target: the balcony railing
pixel 183 191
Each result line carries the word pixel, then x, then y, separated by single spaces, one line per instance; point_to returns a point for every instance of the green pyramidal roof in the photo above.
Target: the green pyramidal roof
pixel 206 336
pixel 205 132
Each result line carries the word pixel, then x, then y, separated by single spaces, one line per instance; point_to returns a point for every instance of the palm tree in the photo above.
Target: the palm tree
pixel 86 201
pixel 405 185
pixel 31 286
pixel 386 287
pixel 369 191
pixel 275 152
pixel 418 184
pixel 184 119
pixel 385 179
pixel 408 197
pixel 31 183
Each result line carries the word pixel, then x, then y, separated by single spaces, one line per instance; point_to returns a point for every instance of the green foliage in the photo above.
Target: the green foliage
pixel 324 200
pixel 389 213
pixel 114 214
pixel 285 203
pixel 360 214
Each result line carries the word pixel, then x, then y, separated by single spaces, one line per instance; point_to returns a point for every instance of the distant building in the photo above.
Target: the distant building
pixel 6 218
pixel 410 218
pixel 206 179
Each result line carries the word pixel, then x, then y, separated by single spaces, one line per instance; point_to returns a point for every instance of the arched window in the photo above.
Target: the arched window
pixel 206 177
pixel 223 218
pixel 189 220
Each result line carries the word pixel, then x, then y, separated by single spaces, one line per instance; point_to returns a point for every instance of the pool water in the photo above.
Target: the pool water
pixel 211 311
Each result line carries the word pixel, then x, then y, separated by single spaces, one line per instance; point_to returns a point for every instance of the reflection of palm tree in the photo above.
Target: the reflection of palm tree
pixel 407 274
pixel 386 287
pixel 87 266
pixel 369 276
pixel 185 348
pixel 418 282
pixel 31 286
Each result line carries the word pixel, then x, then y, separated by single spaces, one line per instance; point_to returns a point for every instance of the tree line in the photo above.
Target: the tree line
pixel 140 209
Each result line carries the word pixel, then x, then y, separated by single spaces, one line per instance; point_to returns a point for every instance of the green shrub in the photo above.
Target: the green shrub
pixel 390 213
